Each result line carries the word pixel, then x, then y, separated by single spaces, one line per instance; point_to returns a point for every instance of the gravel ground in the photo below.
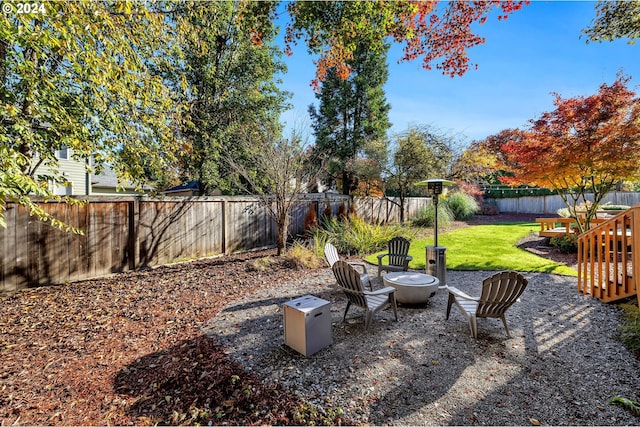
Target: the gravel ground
pixel 561 366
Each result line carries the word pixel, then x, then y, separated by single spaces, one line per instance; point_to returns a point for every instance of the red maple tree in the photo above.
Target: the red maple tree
pixel 585 146
pixel 438 32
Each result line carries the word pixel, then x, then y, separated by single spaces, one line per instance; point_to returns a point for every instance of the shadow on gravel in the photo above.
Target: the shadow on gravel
pixel 561 369
pixel 254 304
pixel 344 368
pixel 561 365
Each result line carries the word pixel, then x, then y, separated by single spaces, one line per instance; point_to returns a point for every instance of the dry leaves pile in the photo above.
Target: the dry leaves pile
pixel 129 350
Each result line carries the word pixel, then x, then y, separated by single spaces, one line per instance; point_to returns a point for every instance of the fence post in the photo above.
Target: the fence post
pixel 371 210
pixel 132 241
pixel 224 226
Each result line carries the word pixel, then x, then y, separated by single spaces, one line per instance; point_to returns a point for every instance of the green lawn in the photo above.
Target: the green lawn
pixel 486 247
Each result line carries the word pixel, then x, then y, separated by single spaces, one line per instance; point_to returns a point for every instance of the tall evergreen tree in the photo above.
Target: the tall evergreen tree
pixel 351 112
pixel 231 65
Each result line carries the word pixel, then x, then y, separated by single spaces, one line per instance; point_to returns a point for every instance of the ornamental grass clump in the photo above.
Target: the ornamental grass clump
pixel 426 216
pixel 461 205
pixel 356 236
pixel 304 255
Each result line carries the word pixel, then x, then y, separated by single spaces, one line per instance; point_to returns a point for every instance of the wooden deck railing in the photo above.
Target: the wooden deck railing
pixel 609 257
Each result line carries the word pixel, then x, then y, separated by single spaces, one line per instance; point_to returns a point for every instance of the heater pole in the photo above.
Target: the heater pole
pixel 436 263
pixel 435 225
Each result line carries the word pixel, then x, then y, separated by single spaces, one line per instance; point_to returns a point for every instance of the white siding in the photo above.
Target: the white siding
pixel 74 171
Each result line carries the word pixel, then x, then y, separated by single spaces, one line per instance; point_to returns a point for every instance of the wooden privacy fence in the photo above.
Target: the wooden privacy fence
pixel 126 233
pixel 551 204
pixel 380 210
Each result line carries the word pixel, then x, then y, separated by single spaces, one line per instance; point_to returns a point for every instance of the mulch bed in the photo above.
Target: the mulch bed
pixel 129 350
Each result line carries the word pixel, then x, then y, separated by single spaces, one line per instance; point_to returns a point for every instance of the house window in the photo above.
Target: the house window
pixel 63 153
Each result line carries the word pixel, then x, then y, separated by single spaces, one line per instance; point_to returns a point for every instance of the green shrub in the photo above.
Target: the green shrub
pixel 461 205
pixel 630 329
pixel 426 216
pixel 567 244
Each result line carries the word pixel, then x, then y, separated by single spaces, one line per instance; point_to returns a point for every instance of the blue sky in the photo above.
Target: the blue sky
pixel 525 58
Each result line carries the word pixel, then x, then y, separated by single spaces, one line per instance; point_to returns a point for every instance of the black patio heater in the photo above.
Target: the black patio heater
pixel 436 261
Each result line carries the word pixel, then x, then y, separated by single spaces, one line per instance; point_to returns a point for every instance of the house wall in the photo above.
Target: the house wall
pixel 82 182
pixel 74 171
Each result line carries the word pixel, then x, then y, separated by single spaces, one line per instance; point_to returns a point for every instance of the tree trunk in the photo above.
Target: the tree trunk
pixel 346 183
pixel 349 183
pixel 283 229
